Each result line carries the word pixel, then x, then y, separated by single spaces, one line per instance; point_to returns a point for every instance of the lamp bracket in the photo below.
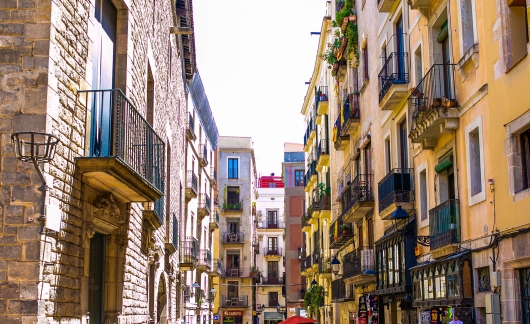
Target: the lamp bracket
pixel 423 240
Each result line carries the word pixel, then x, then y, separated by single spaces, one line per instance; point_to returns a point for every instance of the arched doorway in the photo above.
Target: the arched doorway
pixel 161 302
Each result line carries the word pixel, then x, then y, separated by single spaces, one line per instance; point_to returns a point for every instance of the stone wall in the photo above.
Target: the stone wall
pixel 44 61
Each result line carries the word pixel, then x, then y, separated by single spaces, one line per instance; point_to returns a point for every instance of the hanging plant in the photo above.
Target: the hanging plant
pixel 353 42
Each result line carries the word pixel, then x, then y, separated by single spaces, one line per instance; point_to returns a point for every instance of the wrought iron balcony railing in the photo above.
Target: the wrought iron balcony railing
pixel 205 258
pixel 444 224
pixel 191 181
pixel 237 272
pixel 272 281
pixel 321 94
pixel 203 155
pixel 205 203
pixel 395 71
pixel 271 225
pixel 190 131
pixel 276 251
pixel 189 250
pixel 359 190
pixel 234 238
pixel 358 262
pixel 340 232
pixel 233 205
pixel 323 147
pixel 338 290
pixel 397 186
pixel 234 301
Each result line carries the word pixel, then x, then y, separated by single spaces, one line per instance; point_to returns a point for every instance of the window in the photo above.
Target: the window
pixel 273 299
pixel 518 154
pixel 475 162
pixel 518 30
pixel 403 137
pixel 366 75
pixel 233 168
pixel 467 24
pixel 388 155
pixel 423 195
pixel 273 245
pixel 96 273
pixel 272 219
pixel 525 158
pixel 298 177
pixel 370 232
pixel 232 195
pixel 418 66
pixel 272 270
pixel 524 275
pixel 272 184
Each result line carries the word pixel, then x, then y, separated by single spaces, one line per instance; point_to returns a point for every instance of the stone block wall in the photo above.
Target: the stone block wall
pixel 44 61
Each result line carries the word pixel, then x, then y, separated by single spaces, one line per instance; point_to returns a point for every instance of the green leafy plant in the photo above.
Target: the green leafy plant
pixel 323 190
pixel 313 300
pixel 353 42
pixel 329 55
pixel 346 11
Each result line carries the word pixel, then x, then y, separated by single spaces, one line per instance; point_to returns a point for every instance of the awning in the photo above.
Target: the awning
pixel 273 316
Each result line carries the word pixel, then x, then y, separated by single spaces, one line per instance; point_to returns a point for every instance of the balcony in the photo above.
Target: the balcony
pixel 237 301
pixel 238 272
pixel 306 226
pixel 214 221
pixel 358 266
pixel 422 5
pixel 350 115
pixel 435 106
pixel 271 225
pixel 324 203
pixel 217 270
pixel 126 156
pixel 322 100
pixel 233 238
pixel 204 207
pixel 396 189
pixel 358 198
pixel 190 129
pixel 324 267
pixel 339 139
pixel 192 184
pixel 203 155
pixel 272 281
pixel 340 233
pixel 339 293
pixel 272 252
pixel 322 154
pixel 309 136
pixel 393 80
pixel 385 5
pixel 311 264
pixel 444 228
pixel 213 176
pixel 205 260
pixel 233 206
pixel 189 253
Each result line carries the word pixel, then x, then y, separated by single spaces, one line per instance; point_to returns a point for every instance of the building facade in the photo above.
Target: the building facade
pixel 95 237
pixel 270 256
pixel 293 174
pixel 237 185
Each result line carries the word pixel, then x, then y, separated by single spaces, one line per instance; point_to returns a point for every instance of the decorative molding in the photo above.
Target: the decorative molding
pixel 474 99
pixel 423 240
pixel 106 209
pixel 90 230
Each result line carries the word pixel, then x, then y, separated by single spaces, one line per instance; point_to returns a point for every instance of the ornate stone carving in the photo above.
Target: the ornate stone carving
pixel 121 241
pixel 90 230
pixel 106 209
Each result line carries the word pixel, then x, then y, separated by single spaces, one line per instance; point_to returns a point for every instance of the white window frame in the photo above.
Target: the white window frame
pixel 423 167
pixel 481 196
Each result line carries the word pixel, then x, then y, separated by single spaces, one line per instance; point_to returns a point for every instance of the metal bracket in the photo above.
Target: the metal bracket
pixel 423 240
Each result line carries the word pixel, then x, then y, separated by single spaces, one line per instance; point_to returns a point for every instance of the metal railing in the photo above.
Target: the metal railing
pixel 359 190
pixel 203 153
pixel 337 129
pixel 119 130
pixel 323 147
pixel 205 202
pixel 213 174
pixel 218 267
pixel 358 262
pixel 325 202
pixel 234 301
pixel 272 281
pixel 233 205
pixel 238 272
pixel 267 225
pixel 191 123
pixel 205 258
pixel 339 232
pixel 234 237
pixel 338 290
pixel 215 219
pixel 350 110
pixel 324 266
pixel 396 186
pixel 321 94
pixel 444 224
pixel 191 180
pixel 189 250
pixel 395 71
pixel 272 251
pixel 435 91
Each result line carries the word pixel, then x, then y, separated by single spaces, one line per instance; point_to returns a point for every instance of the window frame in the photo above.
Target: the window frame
pixel 480 196
pixel 231 168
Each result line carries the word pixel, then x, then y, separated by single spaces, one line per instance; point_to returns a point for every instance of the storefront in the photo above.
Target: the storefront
pixel 233 317
pixel 444 288
pixel 272 317
pixel 367 310
pixel 394 256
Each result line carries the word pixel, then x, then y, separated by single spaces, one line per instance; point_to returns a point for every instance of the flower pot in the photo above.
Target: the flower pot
pixel 437 102
pixel 344 232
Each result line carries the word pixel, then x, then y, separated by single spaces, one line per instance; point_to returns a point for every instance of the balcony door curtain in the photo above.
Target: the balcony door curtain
pixel 103 77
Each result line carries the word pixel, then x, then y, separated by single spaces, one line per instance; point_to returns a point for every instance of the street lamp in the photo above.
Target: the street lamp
pixel 314 283
pixel 281 309
pixel 213 292
pixel 259 309
pixel 335 265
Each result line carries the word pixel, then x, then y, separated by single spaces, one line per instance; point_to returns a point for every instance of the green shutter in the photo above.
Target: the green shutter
pixel 446 163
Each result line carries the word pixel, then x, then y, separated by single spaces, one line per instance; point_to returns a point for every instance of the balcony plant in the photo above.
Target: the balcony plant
pixel 345 229
pixel 323 190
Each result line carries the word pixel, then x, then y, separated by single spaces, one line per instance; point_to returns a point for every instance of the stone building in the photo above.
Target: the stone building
pixel 237 182
pixel 108 79
pixel 293 174
pixel 270 256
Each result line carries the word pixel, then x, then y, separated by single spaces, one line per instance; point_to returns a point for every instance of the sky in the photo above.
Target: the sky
pixel 254 58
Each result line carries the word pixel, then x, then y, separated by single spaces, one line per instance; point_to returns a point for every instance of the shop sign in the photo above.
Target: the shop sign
pixel 233 313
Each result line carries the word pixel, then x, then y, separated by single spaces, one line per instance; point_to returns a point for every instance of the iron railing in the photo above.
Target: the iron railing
pixel 234 237
pixel 435 91
pixel 213 174
pixel 192 181
pixel 233 205
pixel 205 258
pixel 234 301
pixel 272 281
pixel 267 225
pixel 397 186
pixel 119 130
pixel 338 290
pixel 272 251
pixel 191 123
pixel 359 190
pixel 205 202
pixel 325 202
pixel 323 147
pixel 444 224
pixel 189 250
pixel 238 272
pixel 218 267
pixel 321 94
pixel 203 153
pixel 324 266
pixel 358 262
pixel 339 232
pixel 395 71
pixel 350 110
pixel 215 219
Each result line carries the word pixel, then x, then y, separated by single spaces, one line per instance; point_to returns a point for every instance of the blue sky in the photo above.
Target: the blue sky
pixel 254 58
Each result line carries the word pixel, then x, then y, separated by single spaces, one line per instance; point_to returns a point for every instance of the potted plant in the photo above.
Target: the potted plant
pixel 345 229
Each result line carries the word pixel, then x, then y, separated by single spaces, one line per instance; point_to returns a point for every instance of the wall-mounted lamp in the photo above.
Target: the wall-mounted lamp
pixel 335 265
